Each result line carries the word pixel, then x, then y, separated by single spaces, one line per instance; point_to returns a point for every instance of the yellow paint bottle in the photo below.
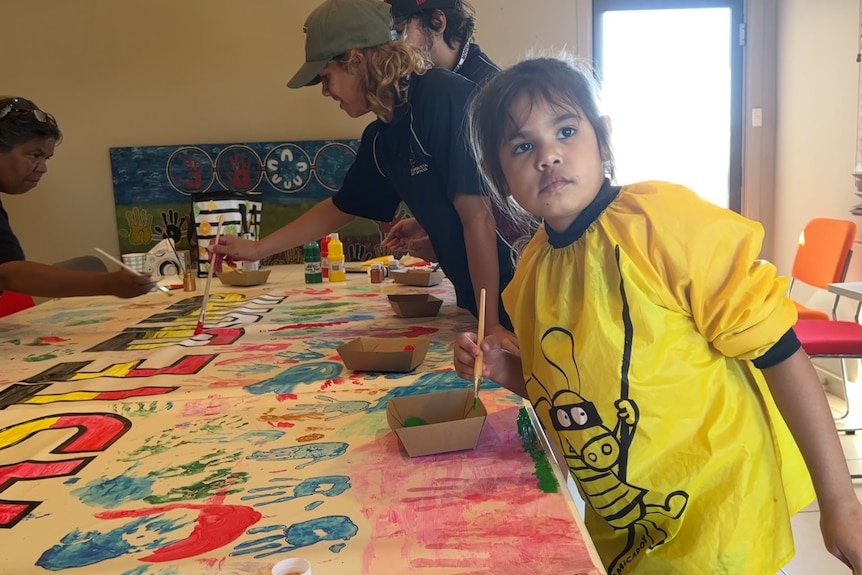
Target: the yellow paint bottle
pixel 337 273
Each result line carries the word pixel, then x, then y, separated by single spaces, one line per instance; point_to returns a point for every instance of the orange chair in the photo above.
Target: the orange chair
pixel 12 302
pixel 822 258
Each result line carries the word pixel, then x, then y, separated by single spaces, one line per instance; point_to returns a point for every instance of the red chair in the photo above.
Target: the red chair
pixel 833 339
pixel 822 258
pixel 13 302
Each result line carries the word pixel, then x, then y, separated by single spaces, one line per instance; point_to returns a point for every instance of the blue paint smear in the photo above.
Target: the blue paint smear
pixel 288 380
pixel 79 549
pixel 298 535
pixel 327 485
pixel 317 452
pixel 299 355
pixel 259 437
pixel 112 493
pixel 428 383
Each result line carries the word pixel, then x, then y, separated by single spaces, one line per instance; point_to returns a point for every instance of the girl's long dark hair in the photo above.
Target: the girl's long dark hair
pixel 561 82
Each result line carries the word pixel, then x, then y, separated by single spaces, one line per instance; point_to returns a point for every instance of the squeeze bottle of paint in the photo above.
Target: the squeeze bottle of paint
pixel 324 257
pixel 337 273
pixel 311 256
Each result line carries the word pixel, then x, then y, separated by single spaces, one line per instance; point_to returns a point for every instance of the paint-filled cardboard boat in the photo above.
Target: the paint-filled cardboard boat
pixel 418 277
pixel 436 422
pixel 244 278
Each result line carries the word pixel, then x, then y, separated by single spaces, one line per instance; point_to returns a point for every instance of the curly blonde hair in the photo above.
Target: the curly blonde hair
pixel 382 70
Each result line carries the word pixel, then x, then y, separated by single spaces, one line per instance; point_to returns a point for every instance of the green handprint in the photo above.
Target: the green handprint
pixel 219 478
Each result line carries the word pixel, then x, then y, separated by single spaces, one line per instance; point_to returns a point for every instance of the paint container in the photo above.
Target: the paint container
pixel 337 273
pixel 136 261
pixel 376 273
pixel 292 566
pixel 189 283
pixel 249 266
pixel 311 257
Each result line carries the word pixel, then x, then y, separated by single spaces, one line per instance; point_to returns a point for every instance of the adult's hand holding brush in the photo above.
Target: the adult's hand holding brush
pixel 232 249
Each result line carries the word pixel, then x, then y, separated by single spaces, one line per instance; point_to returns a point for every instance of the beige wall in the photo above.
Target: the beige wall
pixel 198 71
pixel 179 72
pixel 818 80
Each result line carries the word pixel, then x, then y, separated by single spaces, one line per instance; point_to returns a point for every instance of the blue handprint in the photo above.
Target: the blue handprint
pixel 343 408
pixel 303 534
pixel 327 485
pixel 317 452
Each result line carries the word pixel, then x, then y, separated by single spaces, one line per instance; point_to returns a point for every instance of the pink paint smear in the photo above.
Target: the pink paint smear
pixel 482 512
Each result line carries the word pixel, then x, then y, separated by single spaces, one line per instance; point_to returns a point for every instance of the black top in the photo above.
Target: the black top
pixel 422 158
pixel 477 66
pixel 10 248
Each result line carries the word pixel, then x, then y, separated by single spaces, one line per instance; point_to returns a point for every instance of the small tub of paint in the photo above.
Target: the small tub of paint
pixel 292 566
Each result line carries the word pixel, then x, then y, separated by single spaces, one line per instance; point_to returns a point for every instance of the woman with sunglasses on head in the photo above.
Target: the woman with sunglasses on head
pixel 27 139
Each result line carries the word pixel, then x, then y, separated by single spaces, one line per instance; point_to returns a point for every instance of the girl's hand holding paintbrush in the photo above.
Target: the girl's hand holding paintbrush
pixel 498 364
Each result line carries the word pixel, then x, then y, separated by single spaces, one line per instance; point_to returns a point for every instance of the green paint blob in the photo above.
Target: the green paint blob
pixel 547 482
pixel 414 422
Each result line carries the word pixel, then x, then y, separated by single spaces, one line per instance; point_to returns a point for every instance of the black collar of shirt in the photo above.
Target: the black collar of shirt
pixel 401 109
pixel 603 199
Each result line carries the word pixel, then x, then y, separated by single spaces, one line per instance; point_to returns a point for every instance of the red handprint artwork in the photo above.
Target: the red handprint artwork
pixel 193 169
pixel 239 174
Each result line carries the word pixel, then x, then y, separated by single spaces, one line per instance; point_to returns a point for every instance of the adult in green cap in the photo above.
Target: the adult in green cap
pixel 415 151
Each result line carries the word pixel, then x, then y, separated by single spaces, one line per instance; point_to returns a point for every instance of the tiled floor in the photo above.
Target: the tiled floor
pixel 811 555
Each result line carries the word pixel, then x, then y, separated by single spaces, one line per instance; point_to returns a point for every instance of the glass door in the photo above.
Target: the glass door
pixel 671 76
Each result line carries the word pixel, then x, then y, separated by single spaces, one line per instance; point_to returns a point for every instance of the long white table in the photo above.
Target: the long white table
pixel 130 445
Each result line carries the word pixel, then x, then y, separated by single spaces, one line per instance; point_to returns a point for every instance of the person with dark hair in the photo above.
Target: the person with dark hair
pixel 415 152
pixel 657 348
pixel 27 140
pixel 444 30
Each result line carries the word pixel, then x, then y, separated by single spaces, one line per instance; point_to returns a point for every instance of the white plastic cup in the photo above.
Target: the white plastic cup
pixel 292 566
pixel 136 261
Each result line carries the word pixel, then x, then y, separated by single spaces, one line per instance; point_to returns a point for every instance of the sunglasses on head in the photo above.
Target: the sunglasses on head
pixel 39 115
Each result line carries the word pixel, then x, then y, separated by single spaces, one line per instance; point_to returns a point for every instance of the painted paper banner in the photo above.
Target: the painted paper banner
pixel 129 445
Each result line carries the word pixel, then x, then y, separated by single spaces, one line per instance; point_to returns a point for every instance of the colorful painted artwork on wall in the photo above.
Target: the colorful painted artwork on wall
pixel 155 187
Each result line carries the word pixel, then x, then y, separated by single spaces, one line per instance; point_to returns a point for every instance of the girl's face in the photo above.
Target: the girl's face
pixel 345 88
pixel 551 161
pixel 23 166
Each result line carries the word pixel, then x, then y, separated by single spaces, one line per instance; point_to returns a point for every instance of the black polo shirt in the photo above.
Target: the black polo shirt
pixel 422 158
pixel 10 248
pixel 477 66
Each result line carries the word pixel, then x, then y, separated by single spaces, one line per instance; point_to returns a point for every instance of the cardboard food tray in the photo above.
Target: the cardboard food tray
pixel 249 278
pixel 423 278
pixel 384 353
pixel 451 422
pixel 415 305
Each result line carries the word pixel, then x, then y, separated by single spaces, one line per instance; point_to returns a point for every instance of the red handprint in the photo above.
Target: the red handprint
pixel 193 168
pixel 240 174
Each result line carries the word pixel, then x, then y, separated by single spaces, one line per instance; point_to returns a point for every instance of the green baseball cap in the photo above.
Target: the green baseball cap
pixel 335 27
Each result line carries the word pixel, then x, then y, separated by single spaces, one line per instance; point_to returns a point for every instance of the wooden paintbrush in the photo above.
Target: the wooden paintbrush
pixel 480 336
pixel 199 328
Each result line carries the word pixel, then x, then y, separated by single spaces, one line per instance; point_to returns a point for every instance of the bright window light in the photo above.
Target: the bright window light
pixel 666 88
